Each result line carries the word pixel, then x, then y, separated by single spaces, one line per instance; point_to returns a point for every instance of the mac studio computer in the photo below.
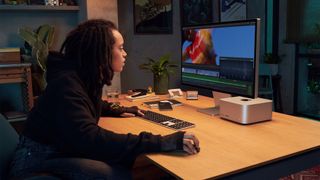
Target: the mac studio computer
pixel 222 57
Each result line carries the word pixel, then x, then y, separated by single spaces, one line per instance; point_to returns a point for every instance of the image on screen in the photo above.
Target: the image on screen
pixel 221 57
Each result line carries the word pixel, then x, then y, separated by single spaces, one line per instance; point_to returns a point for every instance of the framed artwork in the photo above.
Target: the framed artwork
pixel 198 12
pixel 232 10
pixel 153 16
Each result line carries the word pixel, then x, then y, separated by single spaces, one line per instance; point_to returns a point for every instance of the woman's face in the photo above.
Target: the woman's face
pixel 118 52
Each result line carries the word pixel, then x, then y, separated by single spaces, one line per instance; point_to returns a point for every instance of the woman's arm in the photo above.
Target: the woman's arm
pixel 77 132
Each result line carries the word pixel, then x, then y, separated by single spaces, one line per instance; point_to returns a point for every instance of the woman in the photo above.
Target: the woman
pixel 61 136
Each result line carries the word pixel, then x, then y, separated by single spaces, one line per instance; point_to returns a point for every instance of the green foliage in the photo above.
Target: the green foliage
pixel 316 44
pixel 313 45
pixel 270 58
pixel 313 87
pixel 160 66
pixel 40 41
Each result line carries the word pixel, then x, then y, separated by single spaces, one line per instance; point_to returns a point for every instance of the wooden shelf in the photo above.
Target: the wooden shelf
pixel 17 119
pixel 19 73
pixel 38 8
pixel 15 116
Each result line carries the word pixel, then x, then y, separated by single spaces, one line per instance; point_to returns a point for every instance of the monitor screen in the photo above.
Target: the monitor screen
pixel 222 57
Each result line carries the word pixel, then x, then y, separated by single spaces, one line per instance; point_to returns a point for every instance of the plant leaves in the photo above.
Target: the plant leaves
pixel 160 66
pixel 28 35
pixel 163 60
pixel 43 32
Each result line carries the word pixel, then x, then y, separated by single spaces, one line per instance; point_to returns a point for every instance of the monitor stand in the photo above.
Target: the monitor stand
pixel 213 111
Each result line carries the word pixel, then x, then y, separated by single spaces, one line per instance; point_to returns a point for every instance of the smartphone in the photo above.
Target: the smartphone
pixel 165 106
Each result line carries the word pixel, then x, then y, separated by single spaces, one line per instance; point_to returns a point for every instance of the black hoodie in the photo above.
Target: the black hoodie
pixel 66 118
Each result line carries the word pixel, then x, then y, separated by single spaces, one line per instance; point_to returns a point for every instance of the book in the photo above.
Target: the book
pixel 155 104
pixel 10 55
pixel 14 115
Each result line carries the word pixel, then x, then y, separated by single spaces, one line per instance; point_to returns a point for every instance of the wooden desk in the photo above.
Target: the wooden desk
pixel 230 150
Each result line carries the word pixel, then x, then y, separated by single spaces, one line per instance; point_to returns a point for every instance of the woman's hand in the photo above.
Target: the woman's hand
pixel 132 111
pixel 190 143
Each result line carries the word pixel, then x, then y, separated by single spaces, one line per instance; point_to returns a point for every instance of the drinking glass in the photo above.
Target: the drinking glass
pixel 113 96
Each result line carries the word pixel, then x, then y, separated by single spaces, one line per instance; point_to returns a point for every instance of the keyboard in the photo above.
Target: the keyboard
pixel 167 121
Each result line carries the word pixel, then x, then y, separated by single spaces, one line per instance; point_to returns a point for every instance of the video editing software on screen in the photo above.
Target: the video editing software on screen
pixel 219 58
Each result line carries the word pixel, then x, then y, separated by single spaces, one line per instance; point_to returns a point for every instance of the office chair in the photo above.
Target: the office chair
pixel 265 82
pixel 9 139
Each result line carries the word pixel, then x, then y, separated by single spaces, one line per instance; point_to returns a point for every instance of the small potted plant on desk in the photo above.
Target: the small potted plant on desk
pixel 161 69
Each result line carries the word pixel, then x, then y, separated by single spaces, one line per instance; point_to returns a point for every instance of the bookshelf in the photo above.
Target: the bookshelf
pixel 15 90
pixel 19 74
pixel 37 8
pixel 63 18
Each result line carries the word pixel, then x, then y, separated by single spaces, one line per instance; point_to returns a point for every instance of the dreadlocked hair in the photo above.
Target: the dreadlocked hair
pixel 90 46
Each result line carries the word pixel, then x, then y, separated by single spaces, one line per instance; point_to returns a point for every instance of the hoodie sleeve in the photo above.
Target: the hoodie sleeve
pixel 115 110
pixel 111 109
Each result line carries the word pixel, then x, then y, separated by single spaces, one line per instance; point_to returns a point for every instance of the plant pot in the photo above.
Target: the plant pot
pixel 161 84
pixel 38 83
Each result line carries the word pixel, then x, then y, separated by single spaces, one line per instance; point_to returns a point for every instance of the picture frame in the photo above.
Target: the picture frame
pixel 199 12
pixel 192 95
pixel 153 16
pixel 233 10
pixel 175 93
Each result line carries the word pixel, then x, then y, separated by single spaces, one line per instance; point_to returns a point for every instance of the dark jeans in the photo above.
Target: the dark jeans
pixel 32 158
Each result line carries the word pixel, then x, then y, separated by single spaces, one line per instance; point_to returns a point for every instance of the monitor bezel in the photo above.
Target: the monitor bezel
pixel 256 22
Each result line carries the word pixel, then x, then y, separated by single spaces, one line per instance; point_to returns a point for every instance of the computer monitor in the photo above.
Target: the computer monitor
pixel 222 57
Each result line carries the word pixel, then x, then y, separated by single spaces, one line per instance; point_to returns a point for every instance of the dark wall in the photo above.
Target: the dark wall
pixel 139 47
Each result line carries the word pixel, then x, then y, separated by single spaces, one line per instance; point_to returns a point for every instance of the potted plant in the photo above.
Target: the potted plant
pixel 273 61
pixel 313 47
pixel 161 69
pixel 36 50
pixel 313 86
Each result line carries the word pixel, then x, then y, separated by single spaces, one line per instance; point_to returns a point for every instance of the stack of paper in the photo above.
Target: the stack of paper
pixel 142 97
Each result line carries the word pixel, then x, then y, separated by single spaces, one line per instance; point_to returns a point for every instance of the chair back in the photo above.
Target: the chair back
pixel 9 139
